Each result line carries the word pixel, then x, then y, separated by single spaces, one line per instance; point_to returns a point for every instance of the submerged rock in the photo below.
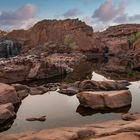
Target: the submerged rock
pixel 105 99
pixel 41 119
pixel 131 116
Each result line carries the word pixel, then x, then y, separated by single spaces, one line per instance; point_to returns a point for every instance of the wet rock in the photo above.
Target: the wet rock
pixel 52 86
pixel 91 85
pixel 21 90
pixel 41 119
pixel 38 90
pixel 9 48
pixel 70 91
pixel 102 100
pixel 109 130
pixel 6 112
pixel 8 94
pixel 131 116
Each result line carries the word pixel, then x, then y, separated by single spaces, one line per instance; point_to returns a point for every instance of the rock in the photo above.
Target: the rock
pixel 52 86
pixel 70 91
pixel 21 90
pixel 103 99
pixel 52 34
pixel 6 112
pixel 38 90
pixel 91 85
pixel 117 40
pixel 109 130
pixel 41 119
pixel 8 94
pixel 24 68
pixel 131 116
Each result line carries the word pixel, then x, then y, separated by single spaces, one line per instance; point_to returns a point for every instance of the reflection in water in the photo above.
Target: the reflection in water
pixel 85 111
pixel 61 110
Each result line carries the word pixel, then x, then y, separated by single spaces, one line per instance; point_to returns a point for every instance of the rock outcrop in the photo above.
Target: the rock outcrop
pixel 29 67
pixel 68 33
pixel 91 85
pixel 116 38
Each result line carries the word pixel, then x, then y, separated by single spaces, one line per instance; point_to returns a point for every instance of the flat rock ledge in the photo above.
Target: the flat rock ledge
pixel 105 99
pixel 110 130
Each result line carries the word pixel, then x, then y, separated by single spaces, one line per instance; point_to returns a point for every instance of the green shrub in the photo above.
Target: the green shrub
pixel 132 38
pixel 68 40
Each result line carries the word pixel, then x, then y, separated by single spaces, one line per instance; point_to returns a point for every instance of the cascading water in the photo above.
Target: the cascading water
pixel 9 48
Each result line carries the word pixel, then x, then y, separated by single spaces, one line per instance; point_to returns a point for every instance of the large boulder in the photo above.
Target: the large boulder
pixel 8 94
pixel 105 99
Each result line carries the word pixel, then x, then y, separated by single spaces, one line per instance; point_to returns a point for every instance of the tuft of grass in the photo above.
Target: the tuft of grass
pixel 132 38
pixel 68 40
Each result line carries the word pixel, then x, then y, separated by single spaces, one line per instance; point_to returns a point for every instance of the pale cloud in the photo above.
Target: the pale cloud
pixel 72 13
pixel 18 18
pixel 108 11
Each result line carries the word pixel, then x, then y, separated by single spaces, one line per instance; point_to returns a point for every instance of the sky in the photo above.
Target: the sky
pixel 100 14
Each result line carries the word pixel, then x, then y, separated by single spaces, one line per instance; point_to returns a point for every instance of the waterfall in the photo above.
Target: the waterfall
pixel 9 48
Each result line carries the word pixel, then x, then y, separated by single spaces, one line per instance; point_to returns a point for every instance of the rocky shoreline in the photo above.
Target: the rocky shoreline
pixel 110 130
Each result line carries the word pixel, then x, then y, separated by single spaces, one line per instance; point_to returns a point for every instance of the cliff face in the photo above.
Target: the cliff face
pixel 117 38
pixel 72 33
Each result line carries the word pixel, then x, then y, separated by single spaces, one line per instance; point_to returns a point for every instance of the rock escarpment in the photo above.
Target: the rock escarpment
pixel 58 34
pixel 118 38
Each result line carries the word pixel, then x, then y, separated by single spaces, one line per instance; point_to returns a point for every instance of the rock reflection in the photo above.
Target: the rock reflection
pixel 8 123
pixel 86 111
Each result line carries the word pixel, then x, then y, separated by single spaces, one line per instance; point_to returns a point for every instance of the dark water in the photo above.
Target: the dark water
pixel 64 111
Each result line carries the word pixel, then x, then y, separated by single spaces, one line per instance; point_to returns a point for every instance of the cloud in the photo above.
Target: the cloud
pixel 71 13
pixel 88 20
pixel 18 18
pixel 108 11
